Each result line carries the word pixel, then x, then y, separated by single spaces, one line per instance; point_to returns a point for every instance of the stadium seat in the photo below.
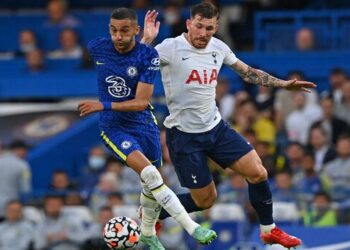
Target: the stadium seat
pixel 227 212
pixel 126 210
pixel 275 30
pixel 228 220
pixel 81 212
pixel 285 212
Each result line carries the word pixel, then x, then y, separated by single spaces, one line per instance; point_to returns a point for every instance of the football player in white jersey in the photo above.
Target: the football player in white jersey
pixel 189 65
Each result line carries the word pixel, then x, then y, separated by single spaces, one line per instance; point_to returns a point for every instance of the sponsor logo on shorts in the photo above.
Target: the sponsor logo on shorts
pixel 194 178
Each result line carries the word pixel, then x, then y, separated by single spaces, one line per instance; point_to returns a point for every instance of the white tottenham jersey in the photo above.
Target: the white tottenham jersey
pixel 189 77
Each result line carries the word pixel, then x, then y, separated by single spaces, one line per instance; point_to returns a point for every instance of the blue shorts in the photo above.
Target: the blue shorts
pixel 189 152
pixel 123 142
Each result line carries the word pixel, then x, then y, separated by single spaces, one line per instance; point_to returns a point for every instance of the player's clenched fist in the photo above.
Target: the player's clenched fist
pixel 88 107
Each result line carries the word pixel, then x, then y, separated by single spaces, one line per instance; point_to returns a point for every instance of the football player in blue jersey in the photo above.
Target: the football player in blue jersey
pixel 126 71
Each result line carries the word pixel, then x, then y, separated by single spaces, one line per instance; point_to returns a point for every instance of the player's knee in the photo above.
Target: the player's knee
pixel 259 175
pixel 151 177
pixel 206 200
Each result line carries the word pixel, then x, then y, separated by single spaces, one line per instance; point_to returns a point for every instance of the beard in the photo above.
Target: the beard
pixel 123 45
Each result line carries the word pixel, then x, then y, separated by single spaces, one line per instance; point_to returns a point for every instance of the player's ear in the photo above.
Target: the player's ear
pixel 217 27
pixel 188 23
pixel 137 29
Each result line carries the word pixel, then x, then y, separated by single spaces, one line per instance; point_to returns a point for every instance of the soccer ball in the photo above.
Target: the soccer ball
pixel 121 233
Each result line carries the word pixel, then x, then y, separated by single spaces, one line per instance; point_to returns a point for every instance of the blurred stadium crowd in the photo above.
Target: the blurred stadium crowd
pixel 303 139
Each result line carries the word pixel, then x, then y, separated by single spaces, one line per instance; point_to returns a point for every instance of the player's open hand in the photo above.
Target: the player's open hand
pixel 151 27
pixel 295 85
pixel 88 107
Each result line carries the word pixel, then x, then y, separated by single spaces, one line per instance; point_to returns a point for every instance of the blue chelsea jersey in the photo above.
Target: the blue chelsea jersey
pixel 118 76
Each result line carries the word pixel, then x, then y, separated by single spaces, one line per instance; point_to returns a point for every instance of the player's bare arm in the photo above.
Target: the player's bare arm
pixel 142 98
pixel 259 77
pixel 151 27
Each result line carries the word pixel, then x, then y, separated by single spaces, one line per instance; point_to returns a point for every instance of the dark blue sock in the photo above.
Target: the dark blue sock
pixel 261 199
pixel 188 203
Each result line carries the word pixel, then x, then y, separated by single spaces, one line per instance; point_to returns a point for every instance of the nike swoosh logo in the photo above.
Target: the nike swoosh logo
pixel 185 58
pixel 99 63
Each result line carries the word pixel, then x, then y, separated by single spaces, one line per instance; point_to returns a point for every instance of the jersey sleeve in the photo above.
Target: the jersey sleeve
pixel 150 66
pixel 229 57
pixel 165 50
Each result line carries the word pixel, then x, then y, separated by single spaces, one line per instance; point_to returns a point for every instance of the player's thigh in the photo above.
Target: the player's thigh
pixel 150 144
pixel 250 167
pixel 125 148
pixel 191 166
pixel 229 146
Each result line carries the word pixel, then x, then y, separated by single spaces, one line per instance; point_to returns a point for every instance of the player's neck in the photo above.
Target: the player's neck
pixel 188 39
pixel 127 50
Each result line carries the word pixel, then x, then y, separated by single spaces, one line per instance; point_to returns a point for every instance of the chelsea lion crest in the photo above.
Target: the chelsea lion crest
pixel 126 144
pixel 132 71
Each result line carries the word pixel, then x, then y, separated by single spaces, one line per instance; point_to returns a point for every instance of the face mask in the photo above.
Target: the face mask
pixel 96 162
pixel 170 17
pixel 27 47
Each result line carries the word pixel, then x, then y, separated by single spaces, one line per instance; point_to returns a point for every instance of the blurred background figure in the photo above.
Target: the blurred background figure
pixel 139 4
pixel 15 177
pixel 90 174
pixel 299 121
pixel 337 78
pixel 336 173
pixel 233 190
pixel 73 198
pixel 304 40
pixel 35 61
pixel 61 183
pixel 333 125
pixel 172 17
pixel 321 213
pixel 108 183
pixel 283 102
pixel 295 153
pixel 15 232
pixel 342 108
pixel 59 231
pixel 27 42
pixel 95 239
pixel 320 147
pixel 115 199
pixel 224 99
pixel 58 15
pixel 282 188
pixel 69 46
pixel 307 181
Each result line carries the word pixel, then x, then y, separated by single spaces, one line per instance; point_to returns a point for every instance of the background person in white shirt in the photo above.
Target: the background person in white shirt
pixel 189 65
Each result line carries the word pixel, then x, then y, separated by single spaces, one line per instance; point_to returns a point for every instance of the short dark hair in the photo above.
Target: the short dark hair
pixel 106 208
pixel 205 9
pixel 13 202
pixel 52 196
pixel 60 171
pixel 124 13
pixel 339 71
pixel 16 144
pixel 344 136
pixel 323 194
